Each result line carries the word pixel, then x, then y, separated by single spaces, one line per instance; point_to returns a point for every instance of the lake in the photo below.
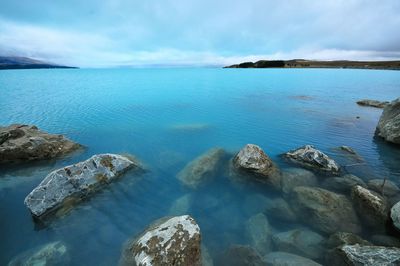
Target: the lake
pixel 167 117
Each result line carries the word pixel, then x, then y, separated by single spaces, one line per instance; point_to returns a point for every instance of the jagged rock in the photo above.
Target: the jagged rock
pixel 77 181
pixel 309 157
pixel 202 169
pixel 343 184
pixel 296 177
pixel 323 210
pixel 287 259
pixel 370 206
pixel 259 233
pixel 55 253
pixel 395 215
pixel 389 122
pixel 181 205
pixel 301 242
pixel 279 209
pixel 385 240
pixel 364 255
pixel 20 143
pixel 372 103
pixel 344 238
pixel 238 255
pixel 384 187
pixel 169 241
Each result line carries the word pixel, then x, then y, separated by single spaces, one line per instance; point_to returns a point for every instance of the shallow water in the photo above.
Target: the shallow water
pixel 167 117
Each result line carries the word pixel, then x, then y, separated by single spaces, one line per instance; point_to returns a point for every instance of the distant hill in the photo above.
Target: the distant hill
pixel 15 62
pixel 302 63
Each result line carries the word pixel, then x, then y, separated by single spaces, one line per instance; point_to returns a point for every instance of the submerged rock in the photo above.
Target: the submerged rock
pixel 287 259
pixel 77 181
pixel 54 253
pixel 348 149
pixel 384 187
pixel 395 215
pixel 301 242
pixel 324 210
pixel 21 143
pixel 279 209
pixel 389 122
pixel 181 205
pixel 385 240
pixel 343 183
pixel 344 238
pixel 296 177
pixel 173 241
pixel 311 158
pixel 202 169
pixel 371 207
pixel 372 103
pixel 259 233
pixel 238 255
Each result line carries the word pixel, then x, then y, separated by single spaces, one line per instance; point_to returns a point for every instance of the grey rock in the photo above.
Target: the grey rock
pixel 348 149
pixel 370 206
pixel 301 242
pixel 389 122
pixel 279 209
pixel 324 210
pixel 309 157
pixel 372 103
pixel 77 181
pixel 21 143
pixel 181 205
pixel 202 169
pixel 238 255
pixel 385 240
pixel 384 187
pixel 296 177
pixel 52 254
pixel 169 241
pixel 287 259
pixel 344 238
pixel 259 233
pixel 395 215
pixel 343 184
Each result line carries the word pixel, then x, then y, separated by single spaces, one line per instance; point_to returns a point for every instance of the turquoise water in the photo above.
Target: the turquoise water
pixel 167 117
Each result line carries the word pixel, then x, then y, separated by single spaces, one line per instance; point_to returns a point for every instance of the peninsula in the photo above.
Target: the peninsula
pixel 17 62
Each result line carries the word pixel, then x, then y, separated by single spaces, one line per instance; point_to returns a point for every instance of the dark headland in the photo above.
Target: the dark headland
pixel 16 62
pixel 302 63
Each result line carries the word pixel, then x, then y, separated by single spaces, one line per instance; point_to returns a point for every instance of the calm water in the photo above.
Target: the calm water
pixel 167 117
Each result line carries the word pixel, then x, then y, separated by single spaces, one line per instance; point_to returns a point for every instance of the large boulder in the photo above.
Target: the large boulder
pixel 279 258
pixel 324 210
pixel 75 182
pixel 370 206
pixel 372 103
pixel 21 143
pixel 343 184
pixel 309 157
pixel 296 177
pixel 54 253
pixel 384 187
pixel 389 122
pixel 202 169
pixel 169 241
pixel 395 215
pixel 259 233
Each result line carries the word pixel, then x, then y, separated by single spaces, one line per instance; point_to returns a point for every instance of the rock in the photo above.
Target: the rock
pixel 238 255
pixel 323 210
pixel 301 242
pixel 348 149
pixel 259 233
pixel 370 206
pixel 385 240
pixel 344 238
pixel 21 143
pixel 372 103
pixel 389 122
pixel 202 169
pixel 309 157
pixel 253 161
pixel 364 255
pixel 181 205
pixel 343 184
pixel 77 181
pixel 296 177
pixel 54 253
pixel 169 241
pixel 383 187
pixel 395 215
pixel 279 209
pixel 287 259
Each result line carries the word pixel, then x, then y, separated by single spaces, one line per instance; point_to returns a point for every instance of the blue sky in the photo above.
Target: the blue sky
pixel 95 33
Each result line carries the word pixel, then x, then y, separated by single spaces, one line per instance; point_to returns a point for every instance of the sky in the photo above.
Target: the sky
pixel 112 33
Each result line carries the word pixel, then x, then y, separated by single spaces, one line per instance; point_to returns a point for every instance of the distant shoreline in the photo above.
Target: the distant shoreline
pixel 18 62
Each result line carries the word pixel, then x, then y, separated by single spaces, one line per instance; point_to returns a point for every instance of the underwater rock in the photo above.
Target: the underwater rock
pixel 371 207
pixel 345 238
pixel 343 184
pixel 168 241
pixel 372 103
pixel 55 253
pixel 206 259
pixel 395 215
pixel 238 255
pixel 296 177
pixel 389 122
pixel 77 181
pixel 301 242
pixel 348 149
pixel 21 143
pixel 202 169
pixel 279 209
pixel 383 187
pixel 385 240
pixel 279 258
pixel 181 205
pixel 259 233
pixel 254 203
pixel 311 158
pixel 324 210
pixel 364 255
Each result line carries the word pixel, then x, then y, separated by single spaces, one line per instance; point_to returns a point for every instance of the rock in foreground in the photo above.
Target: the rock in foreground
pixel 77 181
pixel 20 143
pixel 174 241
pixel 389 122
pixel 372 103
